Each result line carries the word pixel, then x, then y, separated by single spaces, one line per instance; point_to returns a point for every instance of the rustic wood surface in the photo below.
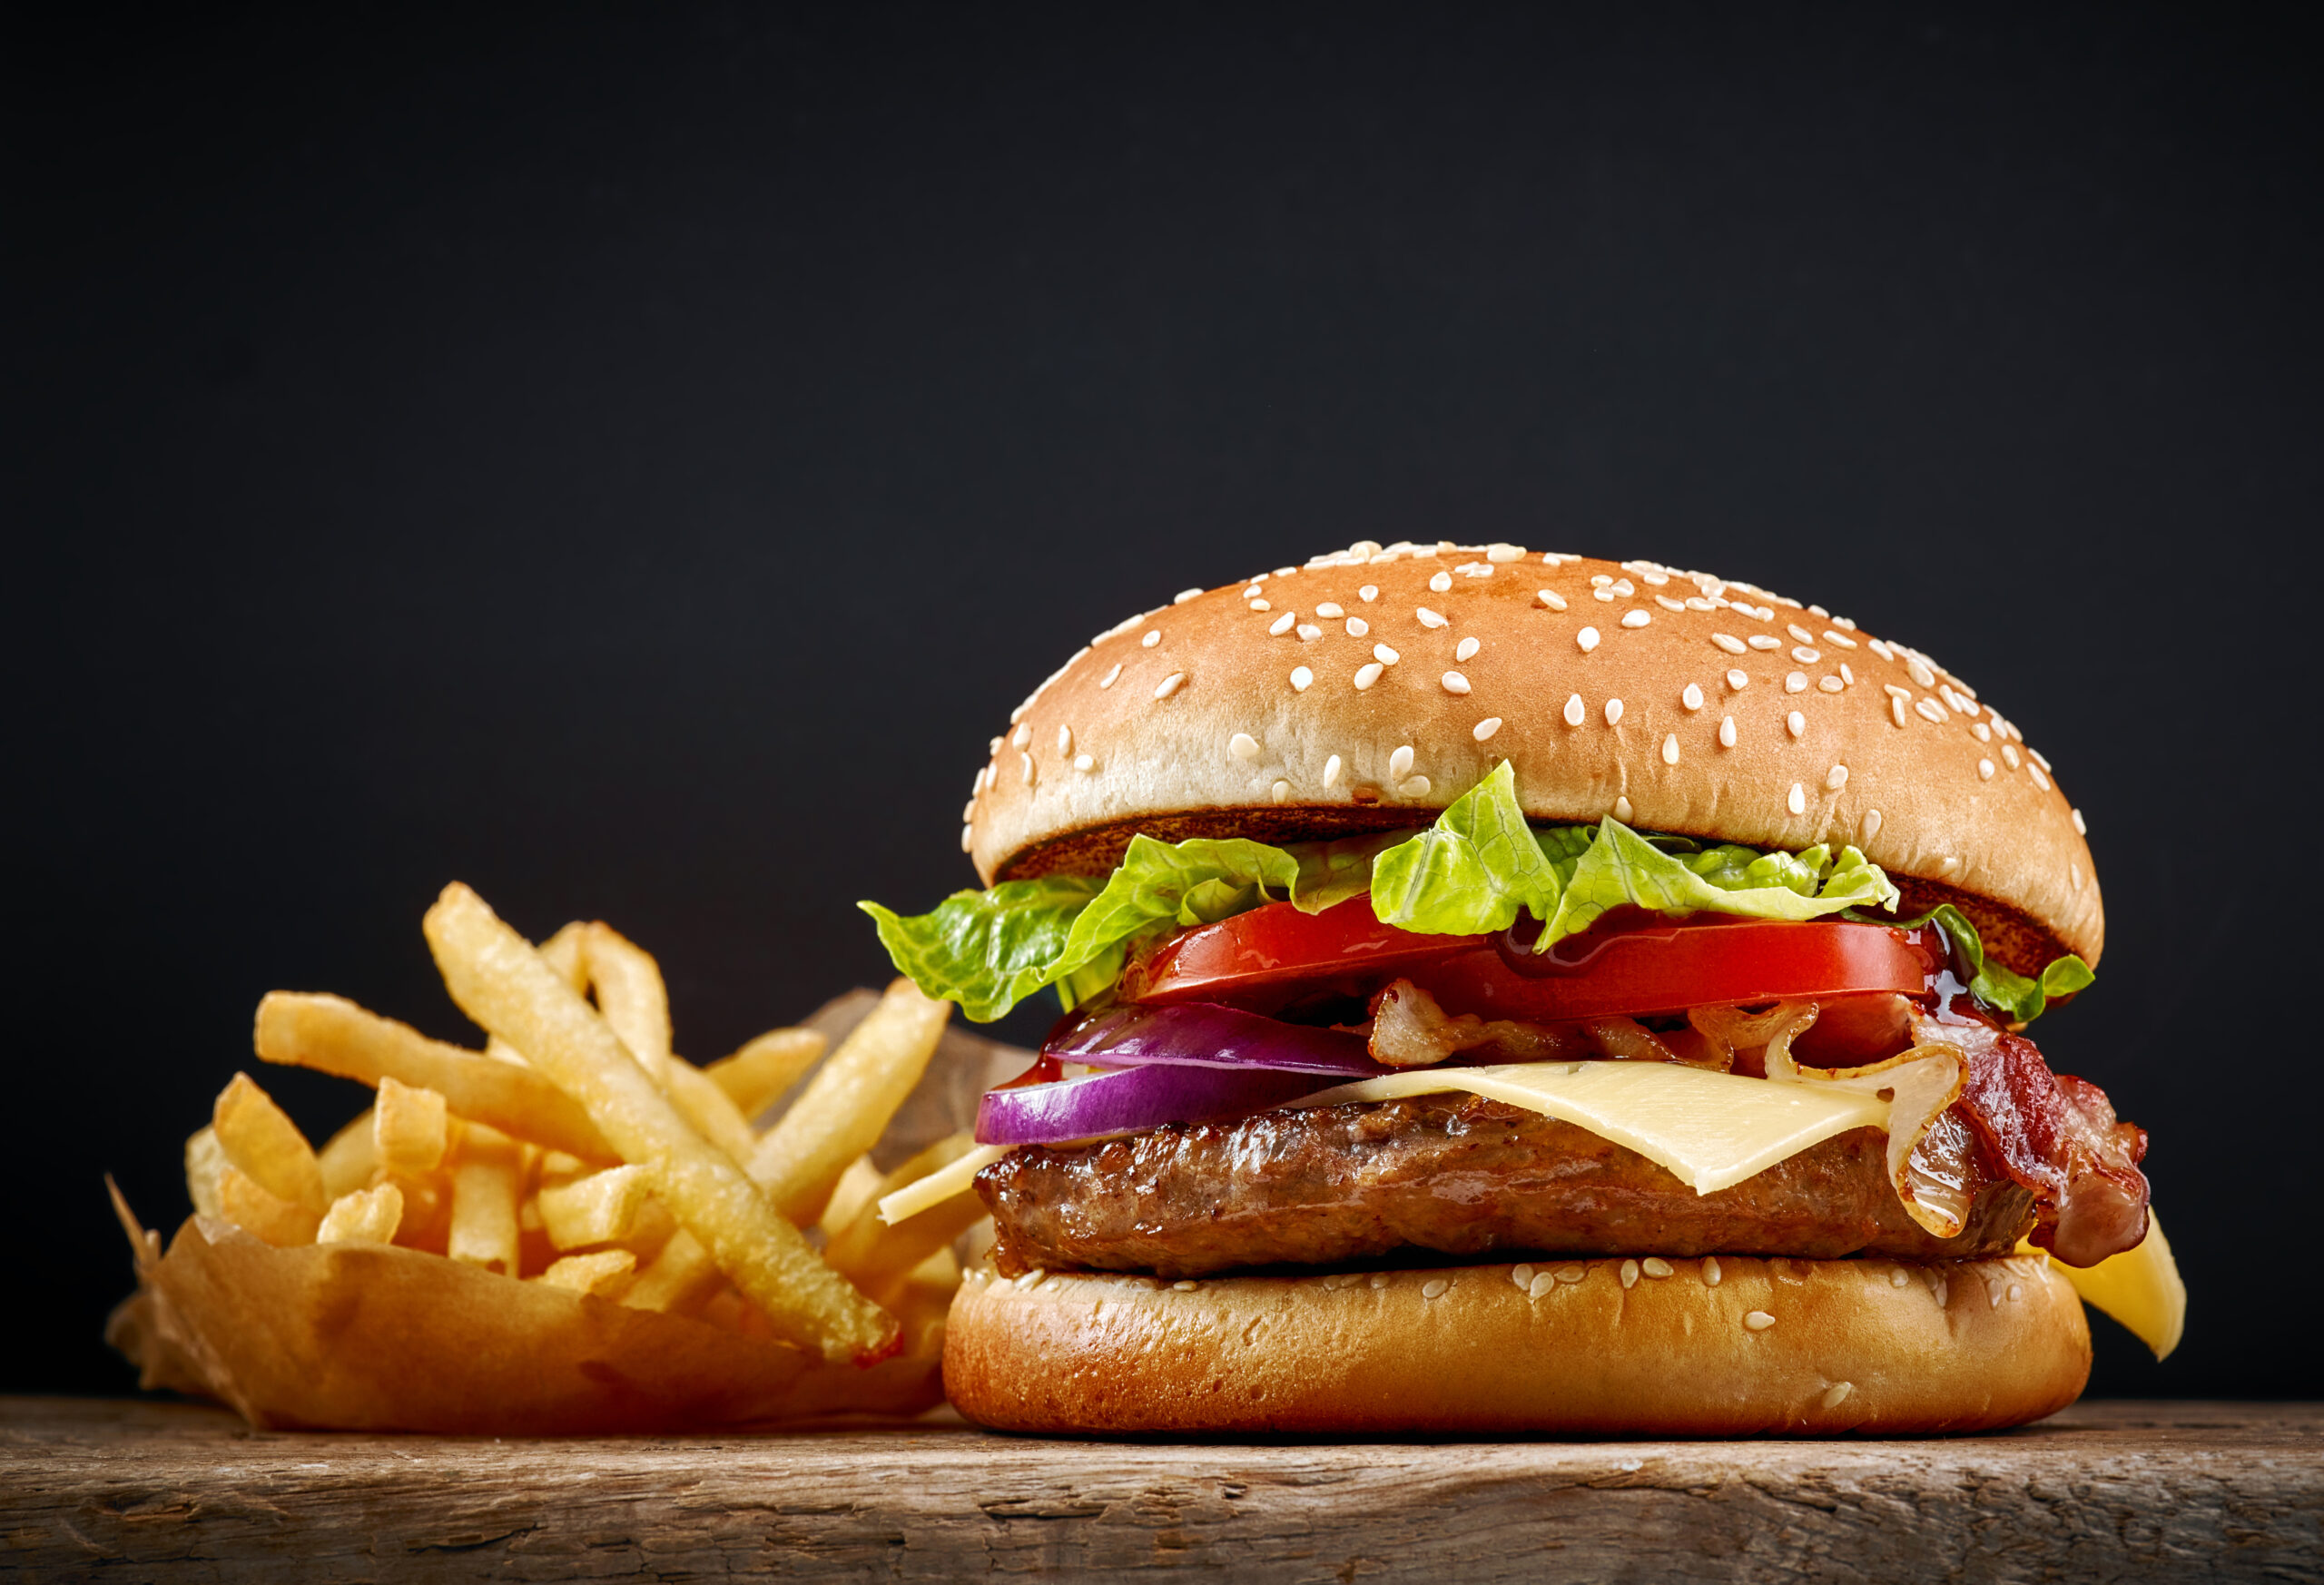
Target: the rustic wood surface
pixel 172 1491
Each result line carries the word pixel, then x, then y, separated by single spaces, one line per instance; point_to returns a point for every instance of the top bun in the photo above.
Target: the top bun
pixel 1369 688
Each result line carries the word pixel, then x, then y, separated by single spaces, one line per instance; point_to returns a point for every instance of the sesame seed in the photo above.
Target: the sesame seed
pixel 1764 641
pixel 1668 604
pixel 1501 550
pixel 1655 1266
pixel 1758 1320
pixel 1738 681
pixel 1368 593
pixel 1919 672
pixel 1692 697
pixel 1379 1280
pixel 1282 624
pixel 1897 1279
pixel 1726 732
pixel 1728 641
pixel 1417 787
pixel 1636 618
pixel 1572 1274
pixel 2074 875
pixel 1243 746
pixel 968 837
pixel 1302 678
pixel 1799 633
pixel 1830 685
pixel 1185 1287
pixel 1475 569
pixel 1835 778
pixel 1796 683
pixel 1331 771
pixel 1153 637
pixel 1670 749
pixel 1622 810
pixel 1797 801
pixel 1261 605
pixel 1575 710
pixel 1930 710
pixel 1330 611
pixel 1948 866
pixel 1285 572
pixel 1698 603
pixel 1454 682
pixel 1796 723
pixel 1587 638
pixel 1551 598
pixel 1399 764
pixel 2009 753
pixel 995 747
pixel 1622 587
pixel 1838 640
pixel 1838 1393
pixel 1357 627
pixel 1366 674
pixel 1309 633
pixel 1433 1288
pixel 1020 737
pixel 1847 676
pixel 1711 1271
pixel 1256 579
pixel 1880 648
pixel 1893 692
pixel 1806 656
pixel 2015 1293
pixel 1441 582
pixel 1026 763
pixel 1629 1273
pixel 1169 684
pixel 1465 649
pixel 2036 756
pixel 1606 595
pixel 1281 792
pixel 1064 740
pixel 2040 780
pixel 2080 826
pixel 1522 1275
pixel 1981 732
pixel 1602 580
pixel 1083 763
pixel 1896 710
pixel 1542 1284
pixel 1613 712
pixel 1484 729
pixel 1657 578
pixel 1429 618
pixel 1385 655
pixel 1984 770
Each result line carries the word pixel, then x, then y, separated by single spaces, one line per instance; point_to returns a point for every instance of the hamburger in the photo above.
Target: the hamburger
pixel 1514 991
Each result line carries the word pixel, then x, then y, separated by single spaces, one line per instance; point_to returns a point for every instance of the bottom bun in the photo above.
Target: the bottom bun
pixel 1729 1346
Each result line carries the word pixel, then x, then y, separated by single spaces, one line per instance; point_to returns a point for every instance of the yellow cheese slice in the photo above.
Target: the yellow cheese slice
pixel 940 1185
pixel 1710 1130
pixel 2139 1287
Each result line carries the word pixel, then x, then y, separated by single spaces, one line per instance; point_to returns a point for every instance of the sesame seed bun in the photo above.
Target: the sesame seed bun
pixel 1730 1346
pixel 1296 706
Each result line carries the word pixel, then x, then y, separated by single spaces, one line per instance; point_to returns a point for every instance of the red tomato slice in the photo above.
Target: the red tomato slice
pixel 1644 964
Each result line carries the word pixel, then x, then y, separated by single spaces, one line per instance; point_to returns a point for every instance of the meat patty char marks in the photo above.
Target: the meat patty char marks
pixel 1442 1176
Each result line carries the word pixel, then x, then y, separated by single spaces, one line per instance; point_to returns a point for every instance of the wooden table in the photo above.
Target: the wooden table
pixel 172 1491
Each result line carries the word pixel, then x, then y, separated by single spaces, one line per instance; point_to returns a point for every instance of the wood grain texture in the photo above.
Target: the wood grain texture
pixel 169 1492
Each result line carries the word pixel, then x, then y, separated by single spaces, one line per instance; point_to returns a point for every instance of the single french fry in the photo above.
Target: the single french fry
pixel 488 1176
pixel 255 1208
pixel 847 1105
pixel 858 1187
pixel 260 1138
pixel 714 1115
pixel 427 1221
pixel 877 1257
pixel 332 1035
pixel 562 953
pixel 348 1159
pixel 766 1067
pixel 605 1273
pixel 366 1216
pixel 600 1209
pixel 630 995
pixel 205 1163
pixel 499 982
pixel 410 1129
pixel 679 1278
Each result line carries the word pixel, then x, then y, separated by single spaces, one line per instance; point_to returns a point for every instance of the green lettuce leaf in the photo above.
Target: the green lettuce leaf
pixel 1478 865
pixel 989 951
pixel 1998 986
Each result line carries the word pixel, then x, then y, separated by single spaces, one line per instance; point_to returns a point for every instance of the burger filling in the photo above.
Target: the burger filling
pixel 1489 1037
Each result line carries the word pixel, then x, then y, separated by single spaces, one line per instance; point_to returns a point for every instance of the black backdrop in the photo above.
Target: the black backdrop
pixel 631 461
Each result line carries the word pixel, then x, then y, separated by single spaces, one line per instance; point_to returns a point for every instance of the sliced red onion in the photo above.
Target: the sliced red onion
pixel 1202 1034
pixel 1130 1100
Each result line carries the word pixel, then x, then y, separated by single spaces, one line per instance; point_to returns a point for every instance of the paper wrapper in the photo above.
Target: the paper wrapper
pixel 372 1337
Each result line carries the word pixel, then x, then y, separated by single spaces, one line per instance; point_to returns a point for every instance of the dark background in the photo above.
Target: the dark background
pixel 632 460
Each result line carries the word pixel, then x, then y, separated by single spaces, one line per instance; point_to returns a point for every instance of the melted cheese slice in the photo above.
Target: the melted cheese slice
pixel 1709 1130
pixel 2139 1287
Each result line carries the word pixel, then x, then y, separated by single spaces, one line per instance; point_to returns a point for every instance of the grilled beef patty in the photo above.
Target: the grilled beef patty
pixel 1443 1176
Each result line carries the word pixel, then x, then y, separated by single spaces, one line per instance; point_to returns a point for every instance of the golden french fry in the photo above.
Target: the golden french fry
pixel 562 953
pixel 714 1115
pixel 631 996
pixel 858 1187
pixel 205 1163
pixel 348 1159
pixel 878 1259
pixel 847 1105
pixel 426 1222
pixel 410 1129
pixel 255 1208
pixel 260 1138
pixel 604 1273
pixel 332 1035
pixel 366 1216
pixel 601 1208
pixel 499 982
pixel 766 1067
pixel 488 1176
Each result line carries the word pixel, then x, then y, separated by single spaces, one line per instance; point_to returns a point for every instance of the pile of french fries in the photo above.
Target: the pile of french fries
pixel 577 1154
